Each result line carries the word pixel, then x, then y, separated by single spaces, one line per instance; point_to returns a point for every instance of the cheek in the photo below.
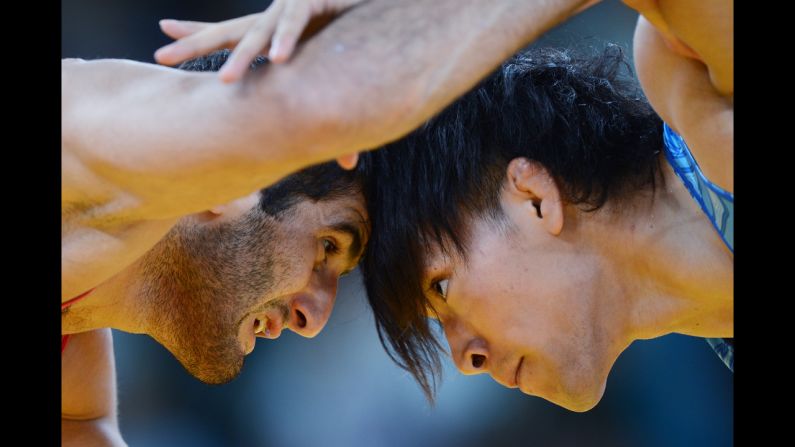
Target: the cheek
pixel 297 261
pixel 541 302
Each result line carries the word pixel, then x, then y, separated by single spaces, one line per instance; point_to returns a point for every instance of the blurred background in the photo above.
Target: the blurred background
pixel 340 388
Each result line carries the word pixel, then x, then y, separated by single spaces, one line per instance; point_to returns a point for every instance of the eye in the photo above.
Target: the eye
pixel 440 287
pixel 330 247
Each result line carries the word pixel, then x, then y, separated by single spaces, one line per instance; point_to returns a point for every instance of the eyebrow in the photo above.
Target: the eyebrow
pixel 356 249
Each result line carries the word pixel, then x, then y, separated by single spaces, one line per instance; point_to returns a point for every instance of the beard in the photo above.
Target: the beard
pixel 201 280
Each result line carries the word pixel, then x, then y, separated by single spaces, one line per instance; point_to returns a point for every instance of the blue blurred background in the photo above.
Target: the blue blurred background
pixel 340 388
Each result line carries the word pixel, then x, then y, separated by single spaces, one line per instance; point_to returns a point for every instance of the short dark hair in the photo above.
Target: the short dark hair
pixel 579 116
pixel 324 181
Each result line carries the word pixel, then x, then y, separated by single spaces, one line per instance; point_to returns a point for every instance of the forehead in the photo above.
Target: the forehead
pixel 476 236
pixel 343 209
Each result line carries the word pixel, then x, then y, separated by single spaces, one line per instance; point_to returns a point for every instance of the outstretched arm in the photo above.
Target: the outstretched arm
pixel 146 142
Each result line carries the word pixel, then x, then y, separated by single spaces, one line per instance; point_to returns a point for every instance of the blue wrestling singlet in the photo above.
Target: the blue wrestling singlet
pixel 714 201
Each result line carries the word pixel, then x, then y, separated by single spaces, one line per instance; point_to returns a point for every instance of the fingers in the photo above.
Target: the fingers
pixel 252 44
pixel 348 161
pixel 210 38
pixel 291 24
pixel 177 29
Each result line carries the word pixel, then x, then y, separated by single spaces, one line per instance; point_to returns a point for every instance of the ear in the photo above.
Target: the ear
pixel 531 185
pixel 210 215
pixel 231 210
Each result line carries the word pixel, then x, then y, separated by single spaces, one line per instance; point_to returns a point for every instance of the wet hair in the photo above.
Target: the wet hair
pixel 584 118
pixel 324 181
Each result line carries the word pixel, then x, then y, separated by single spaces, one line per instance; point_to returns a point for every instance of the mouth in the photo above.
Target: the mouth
pixel 260 327
pixel 265 325
pixel 268 326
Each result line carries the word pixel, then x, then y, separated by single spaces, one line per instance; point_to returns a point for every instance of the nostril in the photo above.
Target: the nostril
pixel 301 319
pixel 478 360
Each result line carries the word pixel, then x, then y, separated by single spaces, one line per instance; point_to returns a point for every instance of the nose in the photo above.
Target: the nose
pixel 310 311
pixel 470 352
pixel 474 360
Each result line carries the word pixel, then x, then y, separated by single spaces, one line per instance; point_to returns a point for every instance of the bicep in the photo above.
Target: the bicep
pixel 142 142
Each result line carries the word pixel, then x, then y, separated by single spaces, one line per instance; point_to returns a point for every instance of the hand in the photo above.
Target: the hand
pixel 278 27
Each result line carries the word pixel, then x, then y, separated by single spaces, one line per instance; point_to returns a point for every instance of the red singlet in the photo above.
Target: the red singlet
pixel 64 306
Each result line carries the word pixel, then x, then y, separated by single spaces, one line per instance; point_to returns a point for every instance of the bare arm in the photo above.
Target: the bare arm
pixel 681 92
pixel 143 142
pixel 88 396
pixel 705 26
pixel 386 66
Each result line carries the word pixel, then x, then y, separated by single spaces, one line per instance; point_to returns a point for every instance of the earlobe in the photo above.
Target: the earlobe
pixel 552 210
pixel 530 181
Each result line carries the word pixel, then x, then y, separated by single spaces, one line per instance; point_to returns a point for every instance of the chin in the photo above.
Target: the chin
pixel 583 401
pixel 214 375
pixel 579 398
pixel 210 363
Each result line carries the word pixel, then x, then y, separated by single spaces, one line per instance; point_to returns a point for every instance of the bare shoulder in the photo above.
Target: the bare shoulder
pixel 93 252
pixel 681 91
pixel 88 376
pixel 705 27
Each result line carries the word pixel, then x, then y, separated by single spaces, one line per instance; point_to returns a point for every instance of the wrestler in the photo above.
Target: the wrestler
pixel 205 283
pixel 544 221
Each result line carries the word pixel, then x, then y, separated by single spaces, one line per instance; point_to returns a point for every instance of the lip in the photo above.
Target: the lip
pixel 246 335
pixel 517 375
pixel 274 329
pixel 247 338
pixel 274 324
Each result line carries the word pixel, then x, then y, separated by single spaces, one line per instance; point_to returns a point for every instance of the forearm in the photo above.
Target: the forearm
pixel 97 432
pixel 386 66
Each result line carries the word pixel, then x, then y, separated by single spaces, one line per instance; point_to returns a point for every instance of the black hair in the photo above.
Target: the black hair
pixel 324 181
pixel 580 117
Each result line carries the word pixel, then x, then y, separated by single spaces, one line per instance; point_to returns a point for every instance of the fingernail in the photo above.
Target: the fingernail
pixel 166 21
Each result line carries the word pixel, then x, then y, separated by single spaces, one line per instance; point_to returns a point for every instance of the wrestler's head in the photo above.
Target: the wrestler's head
pixel 487 219
pixel 253 267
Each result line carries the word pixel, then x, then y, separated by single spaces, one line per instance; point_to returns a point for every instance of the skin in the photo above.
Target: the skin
pixel 114 175
pixel 580 287
pixel 202 289
pixel 684 55
pixel 124 190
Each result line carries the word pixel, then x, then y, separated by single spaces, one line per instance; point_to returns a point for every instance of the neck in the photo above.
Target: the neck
pixel 675 272
pixel 116 303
